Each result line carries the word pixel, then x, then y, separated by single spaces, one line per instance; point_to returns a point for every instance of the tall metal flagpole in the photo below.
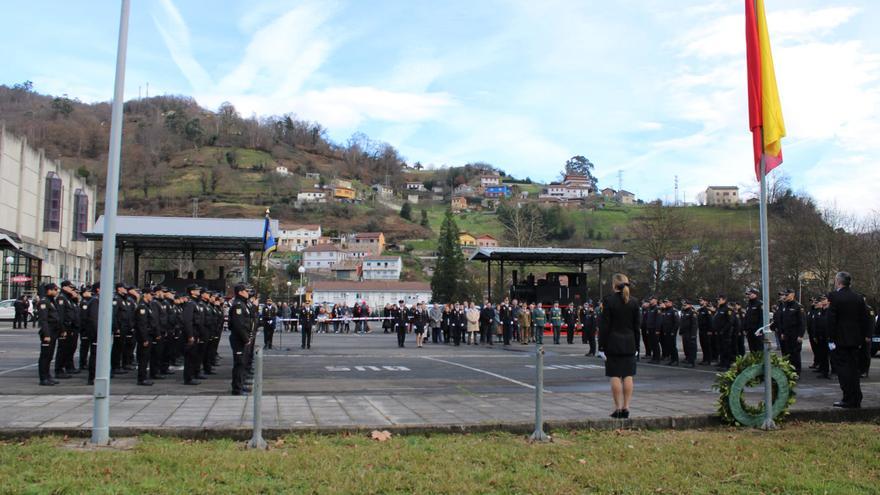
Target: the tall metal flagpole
pixel 765 294
pixel 101 416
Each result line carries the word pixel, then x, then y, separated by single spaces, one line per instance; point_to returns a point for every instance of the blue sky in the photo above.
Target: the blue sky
pixel 652 88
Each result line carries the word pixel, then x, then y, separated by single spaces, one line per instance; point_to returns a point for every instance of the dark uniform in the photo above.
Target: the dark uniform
pixel 145 334
pixel 400 320
pixel 460 318
pixel 128 354
pixel 239 335
pixel 89 319
pixel 848 330
pixel 704 325
pixel 569 316
pixel 589 321
pixel 487 317
pixel 652 330
pixel 752 321
pixel 192 321
pixel 722 328
pixel 269 314
pixel 306 322
pixel 49 320
pixel 818 326
pixel 789 322
pixel 688 329
pixel 669 334
pixel 67 339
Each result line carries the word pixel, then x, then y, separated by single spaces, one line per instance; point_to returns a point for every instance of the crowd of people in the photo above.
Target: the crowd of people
pixel 156 331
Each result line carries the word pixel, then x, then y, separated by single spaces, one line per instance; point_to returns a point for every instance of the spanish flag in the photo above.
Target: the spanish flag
pixel 765 111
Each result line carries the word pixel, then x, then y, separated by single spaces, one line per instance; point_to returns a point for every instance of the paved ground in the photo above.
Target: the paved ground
pixel 367 381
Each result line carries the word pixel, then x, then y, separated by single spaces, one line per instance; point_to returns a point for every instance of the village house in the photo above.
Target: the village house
pixel 625 197
pixel 487 180
pixel 312 196
pixel 298 237
pixel 372 242
pixel 381 268
pixel 415 186
pixel 383 191
pixel 459 203
pixel 322 257
pixel 486 240
pixel 722 195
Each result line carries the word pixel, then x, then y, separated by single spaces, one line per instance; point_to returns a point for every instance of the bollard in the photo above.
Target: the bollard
pixel 256 441
pixel 539 435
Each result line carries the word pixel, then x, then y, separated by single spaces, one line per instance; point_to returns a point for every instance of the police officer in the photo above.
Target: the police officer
pixel 818 324
pixel 89 314
pixel 687 328
pixel 590 323
pixel 487 317
pixel 569 318
pixel 704 325
pixel 722 328
pixel 239 337
pixel 206 336
pixel 192 327
pixel 67 339
pixel 669 331
pixel 128 355
pixel 307 323
pixel 753 320
pixel 401 319
pixel 269 314
pixel 85 346
pixel 120 321
pixel 652 329
pixel 789 322
pixel 49 320
pixel 145 333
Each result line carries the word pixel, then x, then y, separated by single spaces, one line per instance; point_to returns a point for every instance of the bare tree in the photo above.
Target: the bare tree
pixel 656 235
pixel 523 226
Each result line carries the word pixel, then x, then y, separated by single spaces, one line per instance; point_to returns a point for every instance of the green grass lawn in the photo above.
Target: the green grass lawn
pixel 800 458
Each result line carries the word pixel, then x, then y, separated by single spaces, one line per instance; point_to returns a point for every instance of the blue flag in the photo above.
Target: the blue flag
pixel 268 238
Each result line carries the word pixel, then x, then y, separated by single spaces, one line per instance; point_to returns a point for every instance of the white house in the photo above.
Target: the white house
pixel 382 267
pixel 298 237
pixel 565 191
pixel 488 180
pixel 383 191
pixel 626 197
pixel 280 170
pixel 415 186
pixel 312 196
pixel 322 256
pixel 376 293
pixel 722 195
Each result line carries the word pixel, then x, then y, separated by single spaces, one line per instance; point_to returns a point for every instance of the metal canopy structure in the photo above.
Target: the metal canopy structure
pixel 227 239
pixel 543 256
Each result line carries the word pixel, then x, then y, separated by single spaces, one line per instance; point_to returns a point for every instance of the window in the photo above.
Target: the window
pixel 80 215
pixel 52 206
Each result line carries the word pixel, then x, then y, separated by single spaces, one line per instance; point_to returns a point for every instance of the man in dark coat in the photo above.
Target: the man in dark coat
pixel 849 332
pixel 789 322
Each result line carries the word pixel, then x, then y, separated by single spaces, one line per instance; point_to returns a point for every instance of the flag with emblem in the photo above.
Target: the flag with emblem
pixel 269 244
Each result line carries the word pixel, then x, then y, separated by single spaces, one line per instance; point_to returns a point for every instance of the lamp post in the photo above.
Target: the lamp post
pixel 289 283
pixel 10 260
pixel 301 271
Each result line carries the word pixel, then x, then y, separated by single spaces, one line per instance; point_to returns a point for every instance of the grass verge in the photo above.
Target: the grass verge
pixel 801 458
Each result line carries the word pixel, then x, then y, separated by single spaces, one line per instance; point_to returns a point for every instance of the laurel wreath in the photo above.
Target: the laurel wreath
pixel 748 371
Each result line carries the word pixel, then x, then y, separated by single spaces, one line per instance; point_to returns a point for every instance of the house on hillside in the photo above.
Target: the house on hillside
pixel 466 240
pixel 463 190
pixel 298 237
pixel 383 191
pixel 608 193
pixel 502 191
pixel 315 176
pixel 722 195
pixel 372 242
pixel 381 268
pixel 346 270
pixel 342 193
pixel 281 170
pixel 312 196
pixel 625 197
pixel 488 180
pixel 459 203
pixel 486 240
pixel 322 257
pixel 376 293
pixel 415 186
pixel 578 181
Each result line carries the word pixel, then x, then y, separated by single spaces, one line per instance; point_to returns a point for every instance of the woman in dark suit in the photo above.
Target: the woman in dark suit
pixel 619 342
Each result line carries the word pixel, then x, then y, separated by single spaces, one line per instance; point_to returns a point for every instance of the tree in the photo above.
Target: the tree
pixel 406 211
pixel 449 281
pixel 424 223
pixel 580 165
pixel 523 226
pixel 659 234
pixel 62 105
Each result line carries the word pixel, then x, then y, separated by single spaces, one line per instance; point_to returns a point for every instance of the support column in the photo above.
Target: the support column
pixel 489 278
pixel 600 281
pixel 503 292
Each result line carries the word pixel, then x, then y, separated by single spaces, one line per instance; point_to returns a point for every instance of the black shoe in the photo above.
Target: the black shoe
pixel 192 382
pixel 47 383
pixel 616 414
pixel 624 414
pixel 201 377
pixel 845 405
pixel 145 383
pixel 157 377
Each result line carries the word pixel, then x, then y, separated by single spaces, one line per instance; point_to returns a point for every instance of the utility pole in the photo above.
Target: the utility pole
pixel 676 191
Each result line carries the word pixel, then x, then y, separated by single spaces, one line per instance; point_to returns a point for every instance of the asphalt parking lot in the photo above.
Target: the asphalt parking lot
pixel 372 363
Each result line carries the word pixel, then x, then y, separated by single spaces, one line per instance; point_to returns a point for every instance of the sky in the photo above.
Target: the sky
pixel 648 90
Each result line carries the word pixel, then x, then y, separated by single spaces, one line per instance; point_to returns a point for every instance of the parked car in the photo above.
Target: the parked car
pixel 7 310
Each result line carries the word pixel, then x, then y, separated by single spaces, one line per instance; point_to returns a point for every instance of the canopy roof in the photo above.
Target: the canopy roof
pixel 186 233
pixel 544 255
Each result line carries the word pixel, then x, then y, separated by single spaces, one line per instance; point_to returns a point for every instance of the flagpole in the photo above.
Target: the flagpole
pixel 101 413
pixel 765 294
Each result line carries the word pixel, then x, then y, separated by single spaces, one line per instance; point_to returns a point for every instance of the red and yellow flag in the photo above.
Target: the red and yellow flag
pixel 765 111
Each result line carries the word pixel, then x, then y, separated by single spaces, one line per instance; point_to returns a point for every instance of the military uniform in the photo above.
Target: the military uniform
pixel 49 320
pixel 269 314
pixel 669 332
pixel 555 316
pixel 687 328
pixel 704 325
pixel 752 321
pixel 89 313
pixel 67 339
pixel 539 319
pixel 400 319
pixel 722 328
pixel 239 335
pixel 307 323
pixel 789 322
pixel 589 323
pixel 652 330
pixel 818 325
pixel 145 334
pixel 192 327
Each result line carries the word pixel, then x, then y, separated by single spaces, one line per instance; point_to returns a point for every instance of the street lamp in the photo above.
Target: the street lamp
pixel 9 262
pixel 289 283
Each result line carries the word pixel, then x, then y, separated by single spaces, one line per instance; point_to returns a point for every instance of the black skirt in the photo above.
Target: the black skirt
pixel 620 366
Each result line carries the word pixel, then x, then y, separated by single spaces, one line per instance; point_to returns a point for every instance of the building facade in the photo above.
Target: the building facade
pixel 382 268
pixel 298 237
pixel 722 195
pixel 322 257
pixel 44 212
pixel 376 293
pixel 312 196
pixel 372 242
